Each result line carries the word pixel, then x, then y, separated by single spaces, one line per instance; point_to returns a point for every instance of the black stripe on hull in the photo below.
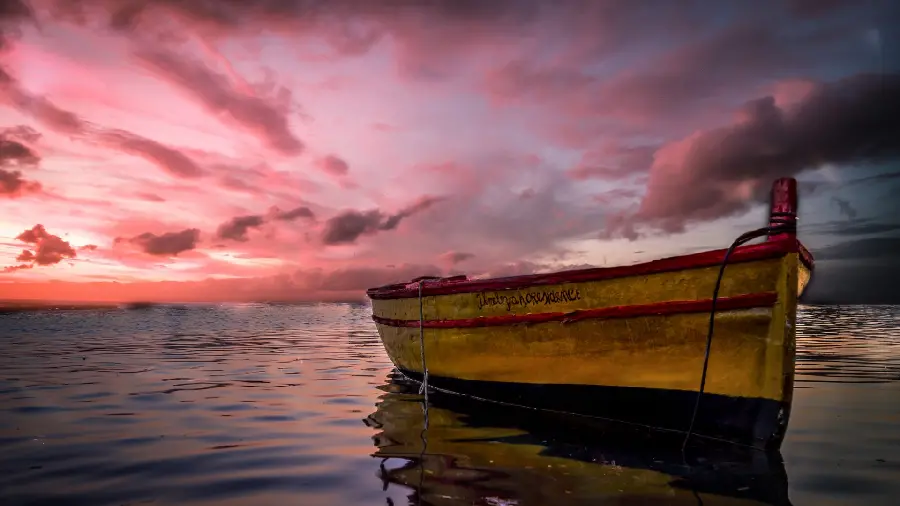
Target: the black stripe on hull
pixel 756 422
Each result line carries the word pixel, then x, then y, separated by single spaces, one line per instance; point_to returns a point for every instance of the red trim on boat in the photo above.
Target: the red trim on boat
pixel 459 284
pixel 748 301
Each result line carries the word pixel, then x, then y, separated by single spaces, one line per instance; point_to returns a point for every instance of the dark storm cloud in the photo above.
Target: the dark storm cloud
pixel 853 120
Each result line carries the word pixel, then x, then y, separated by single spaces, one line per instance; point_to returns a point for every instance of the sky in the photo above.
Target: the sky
pixel 307 150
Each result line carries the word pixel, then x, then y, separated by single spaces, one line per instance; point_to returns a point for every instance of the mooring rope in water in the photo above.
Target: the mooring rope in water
pixel 786 224
pixel 423 390
pixel 424 437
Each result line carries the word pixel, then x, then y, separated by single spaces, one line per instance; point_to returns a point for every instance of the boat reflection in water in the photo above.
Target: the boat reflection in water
pixel 480 453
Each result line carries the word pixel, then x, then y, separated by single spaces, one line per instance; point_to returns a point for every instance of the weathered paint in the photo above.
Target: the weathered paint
pixel 693 284
pixel 746 301
pixel 461 284
pixel 751 354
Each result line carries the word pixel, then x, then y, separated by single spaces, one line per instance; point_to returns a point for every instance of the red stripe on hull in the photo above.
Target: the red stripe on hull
pixel 446 286
pixel 753 300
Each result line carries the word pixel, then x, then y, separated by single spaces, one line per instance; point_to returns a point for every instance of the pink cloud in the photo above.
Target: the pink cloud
pixel 452 258
pixel 169 133
pixel 14 11
pixel 171 160
pixel 333 165
pixel 236 228
pixel 13 185
pixel 348 226
pixel 167 244
pixel 262 117
pixel 15 155
pixel 38 107
pixel 46 248
pixel 150 197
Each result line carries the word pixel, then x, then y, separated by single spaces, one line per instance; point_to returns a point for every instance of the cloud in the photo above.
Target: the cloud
pixel 727 169
pixel 169 159
pixel 299 285
pixel 165 157
pixel 871 248
pixel 333 165
pixel 627 161
pixel 12 12
pixel 585 172
pixel 616 197
pixel 557 119
pixel 46 248
pixel 845 207
pixel 430 40
pixel 748 46
pixel 843 228
pixel 313 284
pixel 22 132
pixel 213 90
pixel 149 197
pixel 236 228
pixel 455 257
pixel 361 278
pixel 293 214
pixel 167 244
pixel 13 185
pixel 857 271
pixel 16 154
pixel 817 8
pixel 38 107
pixel 348 226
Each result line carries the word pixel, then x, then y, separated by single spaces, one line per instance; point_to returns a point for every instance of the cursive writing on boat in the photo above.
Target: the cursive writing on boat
pixel 527 299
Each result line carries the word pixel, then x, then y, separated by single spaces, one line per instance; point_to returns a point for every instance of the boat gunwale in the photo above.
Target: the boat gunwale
pixel 458 284
pixel 669 307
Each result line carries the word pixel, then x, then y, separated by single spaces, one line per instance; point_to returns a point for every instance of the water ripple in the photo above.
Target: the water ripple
pixel 848 344
pixel 266 404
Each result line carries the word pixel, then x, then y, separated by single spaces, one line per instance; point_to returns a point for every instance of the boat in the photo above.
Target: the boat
pixel 701 344
pixel 470 452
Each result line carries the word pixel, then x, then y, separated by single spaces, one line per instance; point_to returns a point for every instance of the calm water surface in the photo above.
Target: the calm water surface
pixel 265 404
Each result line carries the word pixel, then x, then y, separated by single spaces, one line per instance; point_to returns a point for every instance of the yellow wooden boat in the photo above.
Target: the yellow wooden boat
pixel 681 343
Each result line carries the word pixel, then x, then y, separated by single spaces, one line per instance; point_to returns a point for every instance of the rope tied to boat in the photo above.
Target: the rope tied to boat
pixel 423 389
pixel 781 223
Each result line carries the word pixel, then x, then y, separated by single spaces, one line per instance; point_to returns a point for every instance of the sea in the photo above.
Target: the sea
pixel 257 404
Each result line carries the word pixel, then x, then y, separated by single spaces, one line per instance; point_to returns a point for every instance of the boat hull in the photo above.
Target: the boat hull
pixel 625 347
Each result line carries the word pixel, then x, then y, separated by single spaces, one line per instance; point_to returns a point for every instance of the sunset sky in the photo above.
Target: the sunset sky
pixel 238 150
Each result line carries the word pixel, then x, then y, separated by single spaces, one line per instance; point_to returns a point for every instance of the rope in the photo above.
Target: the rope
pixel 785 224
pixel 423 389
pixel 423 435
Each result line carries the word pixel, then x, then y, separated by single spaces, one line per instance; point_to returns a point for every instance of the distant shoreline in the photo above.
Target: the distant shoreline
pixel 17 306
pixel 39 305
